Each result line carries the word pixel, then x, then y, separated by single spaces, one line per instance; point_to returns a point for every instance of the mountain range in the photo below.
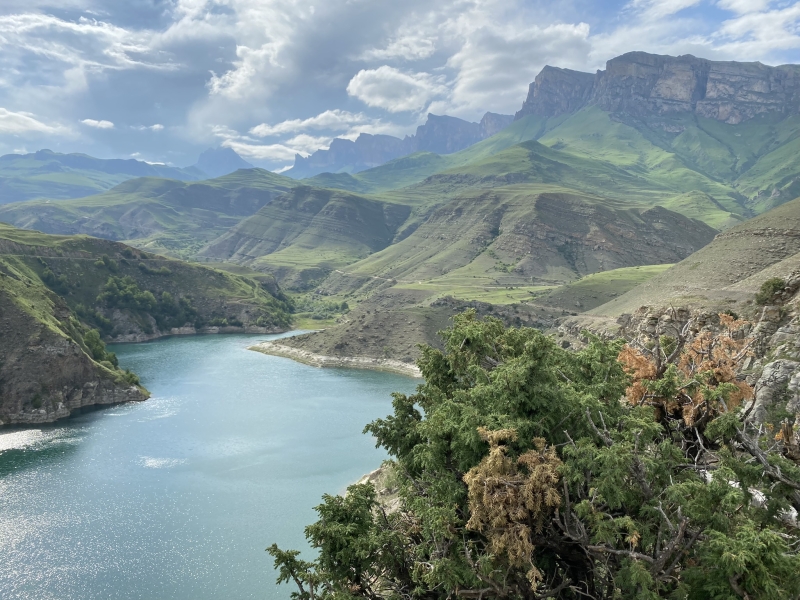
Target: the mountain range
pixel 441 134
pixel 599 182
pixel 660 180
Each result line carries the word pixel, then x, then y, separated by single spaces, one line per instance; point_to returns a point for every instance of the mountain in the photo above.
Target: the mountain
pixel 646 85
pixel 48 174
pixel 57 292
pixel 307 232
pixel 726 273
pixel 751 271
pixel 162 215
pixel 439 134
pixel 216 162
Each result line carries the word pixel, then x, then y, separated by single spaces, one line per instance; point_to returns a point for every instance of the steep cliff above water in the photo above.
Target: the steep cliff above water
pixel 58 292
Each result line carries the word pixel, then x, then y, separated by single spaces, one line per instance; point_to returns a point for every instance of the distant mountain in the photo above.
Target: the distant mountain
pixel 48 174
pixel 440 135
pixel 644 85
pixel 216 162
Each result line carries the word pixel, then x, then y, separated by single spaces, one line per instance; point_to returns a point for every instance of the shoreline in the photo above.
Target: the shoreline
pixel 347 362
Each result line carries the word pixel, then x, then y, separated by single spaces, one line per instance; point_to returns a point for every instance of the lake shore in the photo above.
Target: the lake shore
pixel 349 362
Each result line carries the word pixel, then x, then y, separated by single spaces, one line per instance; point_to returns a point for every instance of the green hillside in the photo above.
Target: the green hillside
pixel 61 295
pixel 728 271
pixel 47 174
pixel 308 231
pixel 161 215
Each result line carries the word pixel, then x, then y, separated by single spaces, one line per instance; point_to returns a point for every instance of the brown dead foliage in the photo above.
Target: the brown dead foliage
pixel 707 361
pixel 510 498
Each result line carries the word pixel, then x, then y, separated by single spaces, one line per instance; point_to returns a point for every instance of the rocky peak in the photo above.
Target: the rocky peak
pixel 444 135
pixel 557 91
pixel 493 123
pixel 642 84
pixel 441 134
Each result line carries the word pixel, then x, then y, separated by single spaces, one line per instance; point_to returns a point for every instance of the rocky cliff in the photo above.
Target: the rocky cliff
pixel 216 162
pixel 440 134
pixel 45 373
pixel 641 84
pixel 60 294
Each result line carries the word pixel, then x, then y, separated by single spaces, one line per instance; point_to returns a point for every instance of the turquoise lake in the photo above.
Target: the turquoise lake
pixel 177 497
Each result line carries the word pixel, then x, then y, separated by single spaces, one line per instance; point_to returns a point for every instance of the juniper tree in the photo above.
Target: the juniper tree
pixel 528 471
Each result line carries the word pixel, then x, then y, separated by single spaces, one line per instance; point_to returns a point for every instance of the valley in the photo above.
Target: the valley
pixel 598 182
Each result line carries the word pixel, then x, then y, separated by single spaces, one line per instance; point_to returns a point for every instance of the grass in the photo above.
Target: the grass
pixel 47 174
pixel 160 215
pixel 598 288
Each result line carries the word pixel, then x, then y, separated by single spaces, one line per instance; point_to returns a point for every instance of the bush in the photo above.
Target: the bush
pixel 109 263
pixel 768 290
pixel 150 271
pixel 97 349
pixel 527 471
pixel 57 283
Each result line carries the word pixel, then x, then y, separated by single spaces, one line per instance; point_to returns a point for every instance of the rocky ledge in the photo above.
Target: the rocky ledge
pixel 350 362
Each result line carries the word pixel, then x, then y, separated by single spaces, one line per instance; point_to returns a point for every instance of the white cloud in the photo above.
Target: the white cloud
pixel 274 152
pixel 98 124
pixel 156 127
pixel 410 47
pixel 496 64
pixel 23 122
pixel 395 91
pixel 658 9
pixel 307 144
pixel 336 120
pixel 743 6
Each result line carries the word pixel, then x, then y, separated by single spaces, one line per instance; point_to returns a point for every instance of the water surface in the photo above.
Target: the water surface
pixel 178 496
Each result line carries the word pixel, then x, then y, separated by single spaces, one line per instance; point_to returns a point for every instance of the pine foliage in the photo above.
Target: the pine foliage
pixel 528 471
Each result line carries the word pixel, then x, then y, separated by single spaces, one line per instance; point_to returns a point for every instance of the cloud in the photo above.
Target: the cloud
pixel 271 152
pixel 98 124
pixel 410 47
pixel 496 64
pixel 395 91
pixel 336 120
pixel 658 9
pixel 21 122
pixel 156 127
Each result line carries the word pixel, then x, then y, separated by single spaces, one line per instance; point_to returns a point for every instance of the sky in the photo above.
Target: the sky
pixel 162 80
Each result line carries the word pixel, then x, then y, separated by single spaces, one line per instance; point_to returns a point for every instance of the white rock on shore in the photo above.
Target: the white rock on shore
pixel 351 362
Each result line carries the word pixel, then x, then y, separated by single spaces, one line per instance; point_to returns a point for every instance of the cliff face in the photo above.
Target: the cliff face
pixel 44 374
pixel 439 134
pixel 642 84
pixel 54 290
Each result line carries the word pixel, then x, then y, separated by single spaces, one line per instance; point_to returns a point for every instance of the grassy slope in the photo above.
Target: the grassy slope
pixel 160 215
pixel 310 229
pixel 48 174
pixel 727 271
pixel 213 292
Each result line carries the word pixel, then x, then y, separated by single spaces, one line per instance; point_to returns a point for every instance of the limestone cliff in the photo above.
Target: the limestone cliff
pixel 45 373
pixel 641 85
pixel 440 134
pixel 59 294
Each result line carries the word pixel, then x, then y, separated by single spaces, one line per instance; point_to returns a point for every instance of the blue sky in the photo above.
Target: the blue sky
pixel 161 80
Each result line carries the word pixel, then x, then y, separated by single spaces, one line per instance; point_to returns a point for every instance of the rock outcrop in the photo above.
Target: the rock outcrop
pixel 216 162
pixel 440 134
pixel 641 85
pixel 44 374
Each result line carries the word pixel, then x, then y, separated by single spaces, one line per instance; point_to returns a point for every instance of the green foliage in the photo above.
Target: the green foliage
pixel 108 263
pixel 57 283
pixel 315 307
pixel 97 348
pixel 150 271
pixel 768 290
pixel 523 473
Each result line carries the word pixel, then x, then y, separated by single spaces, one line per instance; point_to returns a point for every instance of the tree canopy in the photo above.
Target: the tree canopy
pixel 528 471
